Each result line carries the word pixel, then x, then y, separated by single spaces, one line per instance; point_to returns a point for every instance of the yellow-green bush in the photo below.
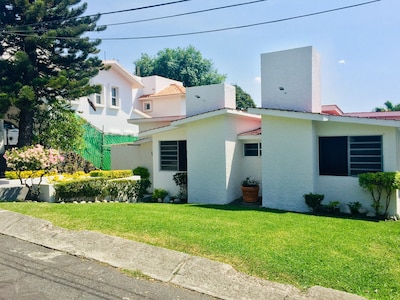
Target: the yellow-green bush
pixel 111 174
pixel 27 174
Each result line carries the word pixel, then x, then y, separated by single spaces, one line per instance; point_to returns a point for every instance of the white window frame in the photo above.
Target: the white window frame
pixel 114 98
pixel 149 104
pixel 101 95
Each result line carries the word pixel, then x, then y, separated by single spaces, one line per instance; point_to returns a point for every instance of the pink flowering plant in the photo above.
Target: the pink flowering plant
pixel 36 159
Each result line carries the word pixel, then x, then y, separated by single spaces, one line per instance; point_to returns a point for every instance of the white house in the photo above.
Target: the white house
pixel 293 145
pixel 125 96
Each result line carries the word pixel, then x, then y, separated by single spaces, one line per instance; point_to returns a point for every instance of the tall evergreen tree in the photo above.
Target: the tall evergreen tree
pixel 45 57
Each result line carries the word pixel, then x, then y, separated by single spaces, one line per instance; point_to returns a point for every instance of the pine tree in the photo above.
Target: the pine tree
pixel 45 57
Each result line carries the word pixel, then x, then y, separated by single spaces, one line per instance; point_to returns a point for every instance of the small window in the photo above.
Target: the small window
pixel 147 106
pixel 173 156
pixel 98 98
pixel 114 97
pixel 252 149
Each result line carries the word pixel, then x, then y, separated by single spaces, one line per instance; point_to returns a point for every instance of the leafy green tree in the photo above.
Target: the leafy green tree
pixel 243 99
pixel 183 64
pixel 388 107
pixel 44 57
pixel 59 127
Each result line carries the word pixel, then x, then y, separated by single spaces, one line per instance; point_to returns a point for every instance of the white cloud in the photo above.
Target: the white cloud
pixel 342 61
pixel 257 79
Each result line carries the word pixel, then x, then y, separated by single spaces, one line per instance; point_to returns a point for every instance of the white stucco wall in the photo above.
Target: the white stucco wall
pixel 290 79
pixel 346 189
pixel 215 158
pixel 164 179
pixel 200 99
pixel 107 118
pixel 155 84
pixel 288 162
pixel 173 105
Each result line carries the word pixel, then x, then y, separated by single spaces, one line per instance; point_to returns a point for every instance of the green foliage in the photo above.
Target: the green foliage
pixel 248 182
pixel 142 188
pixel 142 172
pixel 111 174
pixel 243 99
pixel 122 190
pixel 98 188
pixel 313 201
pixel 77 190
pixel 50 62
pixel 73 163
pixel 354 207
pixel 59 127
pixel 377 184
pixel 183 64
pixel 388 107
pixel 180 180
pixel 159 194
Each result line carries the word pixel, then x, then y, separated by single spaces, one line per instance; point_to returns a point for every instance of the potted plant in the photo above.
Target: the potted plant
pixel 250 188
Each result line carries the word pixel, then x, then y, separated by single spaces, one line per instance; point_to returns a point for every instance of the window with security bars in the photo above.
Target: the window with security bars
pixel 173 156
pixel 350 155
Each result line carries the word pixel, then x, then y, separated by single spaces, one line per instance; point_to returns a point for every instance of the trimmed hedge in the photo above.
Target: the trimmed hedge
pixel 92 189
pixel 111 174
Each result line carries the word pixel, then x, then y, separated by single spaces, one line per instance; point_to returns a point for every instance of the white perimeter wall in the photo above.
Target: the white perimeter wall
pixel 288 162
pixel 130 156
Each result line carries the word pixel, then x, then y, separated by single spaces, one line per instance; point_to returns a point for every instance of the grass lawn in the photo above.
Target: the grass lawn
pixel 361 257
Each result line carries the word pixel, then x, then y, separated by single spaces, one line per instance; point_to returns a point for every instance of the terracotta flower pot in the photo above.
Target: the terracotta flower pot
pixel 250 193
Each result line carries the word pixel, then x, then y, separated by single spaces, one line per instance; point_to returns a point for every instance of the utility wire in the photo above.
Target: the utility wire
pixel 184 14
pixel 216 30
pixel 242 26
pixel 109 13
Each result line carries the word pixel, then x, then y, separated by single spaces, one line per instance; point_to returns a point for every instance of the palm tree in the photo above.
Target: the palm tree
pixel 389 107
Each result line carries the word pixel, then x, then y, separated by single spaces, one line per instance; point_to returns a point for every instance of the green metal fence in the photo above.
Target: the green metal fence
pixel 98 146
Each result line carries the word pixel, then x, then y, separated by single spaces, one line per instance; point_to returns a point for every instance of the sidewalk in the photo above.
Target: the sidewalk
pixel 195 273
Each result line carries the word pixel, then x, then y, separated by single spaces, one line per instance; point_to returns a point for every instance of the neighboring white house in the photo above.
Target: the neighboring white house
pixel 124 96
pixel 293 145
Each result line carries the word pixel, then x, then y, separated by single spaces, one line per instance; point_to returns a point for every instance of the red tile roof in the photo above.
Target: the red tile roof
pixel 173 89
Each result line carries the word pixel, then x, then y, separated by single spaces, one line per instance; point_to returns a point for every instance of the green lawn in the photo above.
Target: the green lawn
pixel 356 256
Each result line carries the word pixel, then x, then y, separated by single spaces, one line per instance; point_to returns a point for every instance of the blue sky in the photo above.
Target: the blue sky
pixel 359 47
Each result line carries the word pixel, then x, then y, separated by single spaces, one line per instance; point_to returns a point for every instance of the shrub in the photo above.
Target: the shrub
pixel 180 180
pixel 76 190
pixel 122 190
pixel 159 194
pixel 313 201
pixel 333 206
pixel 141 188
pixel 354 207
pixel 73 163
pixel 111 174
pixel 376 184
pixel 142 172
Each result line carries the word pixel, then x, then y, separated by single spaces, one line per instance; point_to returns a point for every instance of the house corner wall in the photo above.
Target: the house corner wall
pixel 286 174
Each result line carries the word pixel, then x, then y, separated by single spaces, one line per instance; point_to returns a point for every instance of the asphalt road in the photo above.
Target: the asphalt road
pixel 29 271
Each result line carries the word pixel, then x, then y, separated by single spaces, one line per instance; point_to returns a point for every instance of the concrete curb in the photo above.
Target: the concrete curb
pixel 200 274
